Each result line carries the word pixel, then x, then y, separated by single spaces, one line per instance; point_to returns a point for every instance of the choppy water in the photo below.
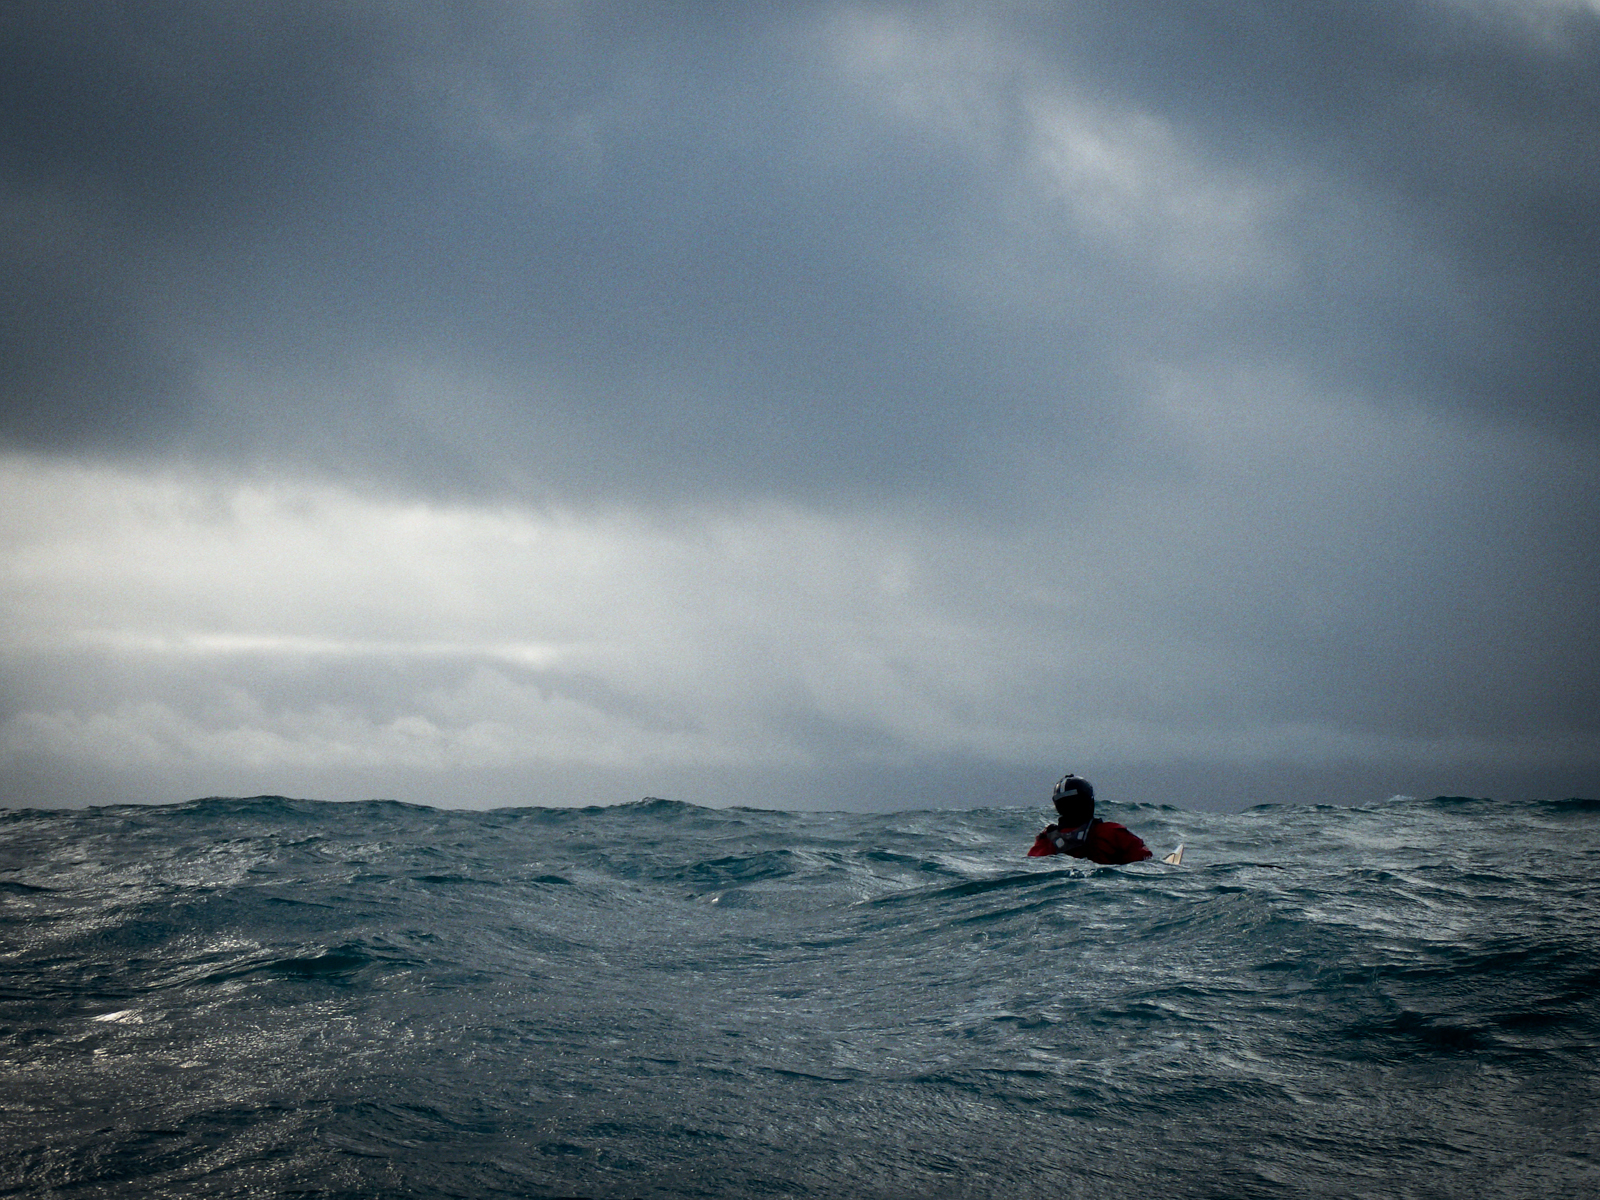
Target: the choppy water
pixel 276 997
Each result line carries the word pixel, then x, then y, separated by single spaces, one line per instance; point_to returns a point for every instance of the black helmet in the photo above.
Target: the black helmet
pixel 1073 789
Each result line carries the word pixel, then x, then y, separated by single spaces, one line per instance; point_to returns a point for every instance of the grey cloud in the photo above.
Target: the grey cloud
pixel 1462 131
pixel 664 249
pixel 298 220
pixel 69 339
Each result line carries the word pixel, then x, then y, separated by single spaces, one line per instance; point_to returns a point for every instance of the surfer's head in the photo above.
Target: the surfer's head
pixel 1074 800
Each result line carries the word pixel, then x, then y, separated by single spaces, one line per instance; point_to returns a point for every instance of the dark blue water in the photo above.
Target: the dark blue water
pixel 271 997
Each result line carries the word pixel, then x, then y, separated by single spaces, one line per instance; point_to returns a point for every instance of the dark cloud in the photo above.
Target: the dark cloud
pixel 660 249
pixel 69 338
pixel 1462 137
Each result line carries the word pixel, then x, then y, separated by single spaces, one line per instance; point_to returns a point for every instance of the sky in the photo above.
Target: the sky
pixel 811 405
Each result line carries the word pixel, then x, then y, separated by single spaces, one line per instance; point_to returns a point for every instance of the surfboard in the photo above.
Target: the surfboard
pixel 1176 857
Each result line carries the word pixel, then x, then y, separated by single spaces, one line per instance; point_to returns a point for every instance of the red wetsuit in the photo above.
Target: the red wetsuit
pixel 1106 842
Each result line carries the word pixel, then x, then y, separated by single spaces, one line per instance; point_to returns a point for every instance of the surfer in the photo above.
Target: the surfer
pixel 1083 835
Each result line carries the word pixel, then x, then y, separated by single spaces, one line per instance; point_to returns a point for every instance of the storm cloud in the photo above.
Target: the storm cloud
pixel 855 404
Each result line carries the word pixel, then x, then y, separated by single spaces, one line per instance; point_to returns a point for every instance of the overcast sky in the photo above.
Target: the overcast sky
pixel 799 405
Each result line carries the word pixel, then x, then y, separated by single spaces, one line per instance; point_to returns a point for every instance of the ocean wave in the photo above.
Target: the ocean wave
pixel 270 995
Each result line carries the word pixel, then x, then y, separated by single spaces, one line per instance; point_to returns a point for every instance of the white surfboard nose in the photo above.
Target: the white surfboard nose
pixel 1175 857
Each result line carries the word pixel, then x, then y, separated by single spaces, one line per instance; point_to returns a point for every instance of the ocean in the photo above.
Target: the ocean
pixel 274 997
